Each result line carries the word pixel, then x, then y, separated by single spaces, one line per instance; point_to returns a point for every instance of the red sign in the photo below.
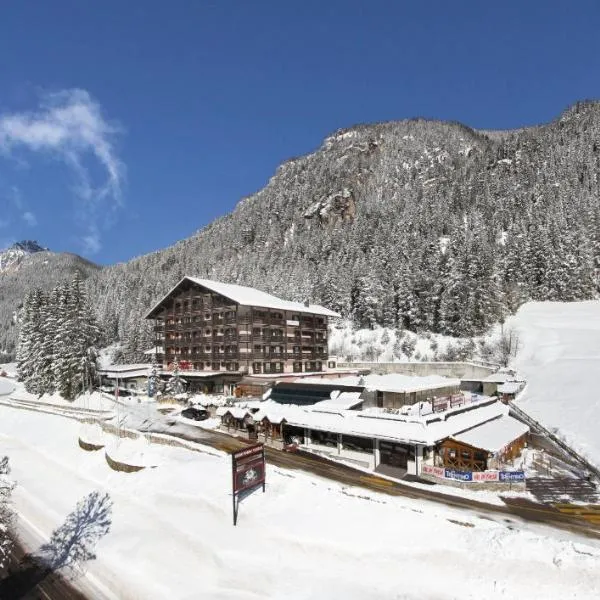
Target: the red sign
pixel 248 468
pixel 248 471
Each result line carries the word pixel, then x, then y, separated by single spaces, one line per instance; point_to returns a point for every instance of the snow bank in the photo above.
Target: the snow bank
pixel 559 356
pixel 91 433
pixel 7 386
pixel 305 538
pixel 93 401
pixel 136 452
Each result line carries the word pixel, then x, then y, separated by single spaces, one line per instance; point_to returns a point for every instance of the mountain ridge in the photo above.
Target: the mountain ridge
pixel 417 224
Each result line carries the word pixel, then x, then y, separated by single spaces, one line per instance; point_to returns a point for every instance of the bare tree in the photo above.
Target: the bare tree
pixel 507 346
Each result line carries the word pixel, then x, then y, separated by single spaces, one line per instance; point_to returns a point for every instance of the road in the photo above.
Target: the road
pixel 520 508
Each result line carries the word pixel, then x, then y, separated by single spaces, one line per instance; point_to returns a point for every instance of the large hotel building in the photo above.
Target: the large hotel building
pixel 211 326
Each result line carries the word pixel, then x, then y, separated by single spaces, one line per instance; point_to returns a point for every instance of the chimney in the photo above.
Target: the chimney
pixel 307 303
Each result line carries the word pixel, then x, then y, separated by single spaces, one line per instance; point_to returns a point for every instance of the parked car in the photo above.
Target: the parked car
pixel 197 414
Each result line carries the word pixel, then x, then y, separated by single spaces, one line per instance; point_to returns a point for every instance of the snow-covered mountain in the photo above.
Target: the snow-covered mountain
pixel 11 257
pixel 416 225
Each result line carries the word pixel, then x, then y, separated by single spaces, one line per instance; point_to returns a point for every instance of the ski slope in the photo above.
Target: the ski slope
pixel 559 356
pixel 305 538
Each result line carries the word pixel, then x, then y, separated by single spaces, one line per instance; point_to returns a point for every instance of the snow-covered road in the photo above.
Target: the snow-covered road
pixel 172 536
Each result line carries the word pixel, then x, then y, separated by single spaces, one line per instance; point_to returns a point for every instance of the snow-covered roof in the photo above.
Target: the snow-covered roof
pixel 510 387
pixel 499 377
pixel 125 371
pixel 247 296
pixel 340 400
pixel 494 435
pixel 155 350
pixel 427 430
pixel 234 411
pixel 192 373
pixel 123 368
pixel 393 382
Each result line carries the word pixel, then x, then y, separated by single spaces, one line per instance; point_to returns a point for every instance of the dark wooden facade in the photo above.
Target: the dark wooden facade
pixel 458 455
pixel 205 331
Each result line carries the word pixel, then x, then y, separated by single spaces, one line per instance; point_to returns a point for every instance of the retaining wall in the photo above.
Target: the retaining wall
pixel 459 370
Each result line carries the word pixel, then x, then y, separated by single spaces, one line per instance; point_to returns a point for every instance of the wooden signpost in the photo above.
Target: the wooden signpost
pixel 247 472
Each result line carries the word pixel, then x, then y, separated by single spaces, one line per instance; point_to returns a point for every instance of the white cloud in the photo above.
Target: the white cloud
pixel 70 126
pixel 91 242
pixel 29 218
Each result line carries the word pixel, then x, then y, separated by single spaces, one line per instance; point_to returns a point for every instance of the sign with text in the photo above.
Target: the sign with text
pixel 485 475
pixel 248 467
pixel 435 471
pixel 512 476
pixel 458 475
pixel 247 472
pixel 470 476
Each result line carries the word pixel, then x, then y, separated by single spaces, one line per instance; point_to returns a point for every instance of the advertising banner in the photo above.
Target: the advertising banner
pixel 458 475
pixel 485 476
pixel 435 471
pixel 512 476
pixel 470 476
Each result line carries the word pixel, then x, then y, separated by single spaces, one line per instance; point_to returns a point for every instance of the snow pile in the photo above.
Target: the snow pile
pixel 559 357
pixel 136 452
pixel 7 386
pixel 93 401
pixel 91 433
pixel 305 538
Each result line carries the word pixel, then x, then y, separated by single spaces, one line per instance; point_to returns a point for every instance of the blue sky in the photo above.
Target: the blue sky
pixel 126 126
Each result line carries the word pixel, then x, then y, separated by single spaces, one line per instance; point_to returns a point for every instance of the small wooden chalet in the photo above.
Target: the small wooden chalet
pixel 484 447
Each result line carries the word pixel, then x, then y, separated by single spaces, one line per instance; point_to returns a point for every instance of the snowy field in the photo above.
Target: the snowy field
pixel 305 538
pixel 559 356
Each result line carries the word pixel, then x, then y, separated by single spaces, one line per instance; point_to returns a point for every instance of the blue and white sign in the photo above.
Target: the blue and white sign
pixel 512 476
pixel 458 475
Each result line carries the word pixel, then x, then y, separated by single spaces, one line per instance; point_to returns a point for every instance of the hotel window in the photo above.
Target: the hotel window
pixel 256 367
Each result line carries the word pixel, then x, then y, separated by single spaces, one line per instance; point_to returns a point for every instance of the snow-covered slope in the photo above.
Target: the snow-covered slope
pixel 10 258
pixel 304 538
pixel 559 356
